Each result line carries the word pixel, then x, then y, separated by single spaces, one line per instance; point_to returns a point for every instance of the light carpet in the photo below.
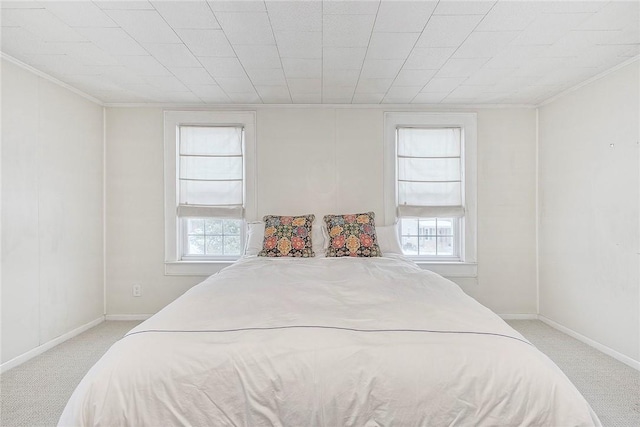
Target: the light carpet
pixel 35 393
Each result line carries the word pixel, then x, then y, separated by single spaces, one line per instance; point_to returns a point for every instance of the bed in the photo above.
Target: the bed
pixel 325 342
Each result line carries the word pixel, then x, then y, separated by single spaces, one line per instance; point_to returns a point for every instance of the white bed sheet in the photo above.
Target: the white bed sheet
pixel 326 342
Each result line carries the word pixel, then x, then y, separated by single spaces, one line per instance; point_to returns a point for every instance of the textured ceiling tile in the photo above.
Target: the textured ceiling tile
pixel 337 77
pixel 368 98
pixel 206 42
pixel 381 68
pixel 299 44
pixel 302 68
pixel 145 26
pixel 237 6
pixel 429 97
pixel 438 84
pixel 113 40
pixel 408 77
pixel 482 44
pixel 166 83
pixel 456 7
pixel 448 31
pixel 405 92
pixel 43 24
pixel 274 94
pixel 172 55
pixel 86 53
pixel 488 76
pixel 343 57
pixel 252 56
pixel 616 15
pixel 187 14
pixel 428 58
pixel 305 86
pixel 511 16
pixel 391 45
pixel 195 75
pixel 295 16
pixel 306 98
pixel 80 14
pixel 210 93
pixel 340 7
pixel 250 97
pixel 403 16
pixel 373 85
pixel 246 27
pixel 267 77
pixel 222 67
pixel 335 92
pixel 143 65
pixel 347 30
pixel 124 5
pixel 235 84
pixel 548 28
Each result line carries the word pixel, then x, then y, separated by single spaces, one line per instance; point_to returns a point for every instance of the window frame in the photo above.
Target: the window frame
pixel 466 264
pixel 174 262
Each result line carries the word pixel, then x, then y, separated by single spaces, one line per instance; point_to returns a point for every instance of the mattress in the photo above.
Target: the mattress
pixel 325 342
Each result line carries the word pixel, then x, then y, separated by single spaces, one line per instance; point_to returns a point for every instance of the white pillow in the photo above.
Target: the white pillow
pixel 255 239
pixel 388 240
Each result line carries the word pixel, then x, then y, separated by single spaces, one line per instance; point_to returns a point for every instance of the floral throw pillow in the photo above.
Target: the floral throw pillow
pixel 287 236
pixel 352 235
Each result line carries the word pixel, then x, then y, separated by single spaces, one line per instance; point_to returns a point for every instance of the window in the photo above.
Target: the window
pixel 209 187
pixel 430 184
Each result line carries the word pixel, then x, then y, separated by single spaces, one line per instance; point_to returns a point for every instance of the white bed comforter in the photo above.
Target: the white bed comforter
pixel 325 342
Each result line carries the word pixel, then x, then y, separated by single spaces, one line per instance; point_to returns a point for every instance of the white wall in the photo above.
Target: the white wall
pixel 52 248
pixel 338 168
pixel 589 232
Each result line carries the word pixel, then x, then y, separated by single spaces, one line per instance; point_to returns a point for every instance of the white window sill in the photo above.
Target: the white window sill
pixel 450 269
pixel 195 268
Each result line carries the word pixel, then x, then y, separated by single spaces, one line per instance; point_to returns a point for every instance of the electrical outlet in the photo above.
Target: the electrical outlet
pixel 137 290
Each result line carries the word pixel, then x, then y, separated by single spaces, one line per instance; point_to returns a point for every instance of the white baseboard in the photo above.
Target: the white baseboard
pixel 526 316
pixel 603 348
pixel 127 316
pixel 18 360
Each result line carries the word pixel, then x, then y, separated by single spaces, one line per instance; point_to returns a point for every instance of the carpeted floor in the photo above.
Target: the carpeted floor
pixel 34 393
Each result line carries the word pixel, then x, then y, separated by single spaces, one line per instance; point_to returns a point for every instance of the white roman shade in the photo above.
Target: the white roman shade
pixel 210 171
pixel 429 171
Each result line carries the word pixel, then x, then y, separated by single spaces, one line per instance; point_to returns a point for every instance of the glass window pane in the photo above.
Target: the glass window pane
pixel 195 225
pixel 213 226
pixel 232 227
pixel 196 245
pixel 232 245
pixel 409 245
pixel 445 246
pixel 409 226
pixel 214 245
pixel 427 246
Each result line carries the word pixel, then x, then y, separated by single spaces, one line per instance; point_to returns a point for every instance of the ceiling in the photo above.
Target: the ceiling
pixel 306 52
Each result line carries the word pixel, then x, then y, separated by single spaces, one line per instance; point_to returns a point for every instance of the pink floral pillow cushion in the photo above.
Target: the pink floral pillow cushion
pixel 352 235
pixel 287 236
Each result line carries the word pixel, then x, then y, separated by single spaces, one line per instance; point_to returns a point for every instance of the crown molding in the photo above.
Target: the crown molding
pixel 389 107
pixel 50 78
pixel 589 81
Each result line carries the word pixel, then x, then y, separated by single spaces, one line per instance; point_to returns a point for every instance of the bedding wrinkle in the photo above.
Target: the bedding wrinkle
pixel 329 342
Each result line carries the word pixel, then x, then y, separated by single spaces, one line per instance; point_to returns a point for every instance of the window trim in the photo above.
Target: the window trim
pixel 174 265
pixel 468 223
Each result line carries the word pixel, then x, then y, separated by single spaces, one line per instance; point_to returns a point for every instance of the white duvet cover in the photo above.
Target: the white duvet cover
pixel 325 342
